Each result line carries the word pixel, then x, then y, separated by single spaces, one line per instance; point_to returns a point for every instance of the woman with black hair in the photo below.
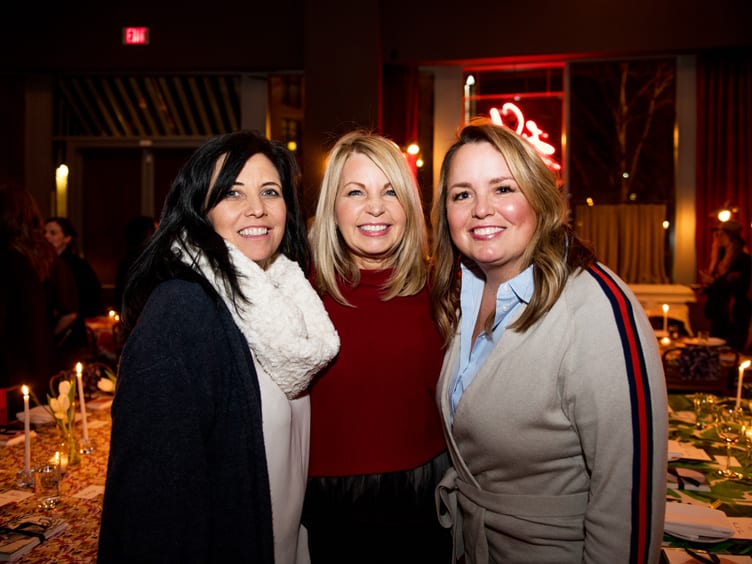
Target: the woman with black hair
pixel 210 421
pixel 60 232
pixel 73 344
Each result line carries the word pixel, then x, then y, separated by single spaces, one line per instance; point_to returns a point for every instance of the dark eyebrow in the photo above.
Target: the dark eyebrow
pixel 266 183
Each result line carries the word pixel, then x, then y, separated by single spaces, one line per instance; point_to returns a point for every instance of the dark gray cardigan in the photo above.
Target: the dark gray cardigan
pixel 187 477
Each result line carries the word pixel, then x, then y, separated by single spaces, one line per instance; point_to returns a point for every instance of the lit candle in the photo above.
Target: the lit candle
pixel 665 317
pixel 60 458
pixel 742 367
pixel 79 369
pixel 27 431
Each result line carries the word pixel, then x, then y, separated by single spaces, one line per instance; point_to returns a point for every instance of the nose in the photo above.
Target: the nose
pixel 254 207
pixel 482 207
pixel 375 205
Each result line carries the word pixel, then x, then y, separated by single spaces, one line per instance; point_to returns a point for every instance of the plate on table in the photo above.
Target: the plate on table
pixel 681 556
pixel 686 479
pixel 699 538
pixel 39 415
pixel 709 342
pixel 697 523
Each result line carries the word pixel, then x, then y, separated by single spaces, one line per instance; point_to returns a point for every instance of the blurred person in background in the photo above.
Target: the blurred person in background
pixel 26 258
pixel 61 234
pixel 377 450
pixel 726 284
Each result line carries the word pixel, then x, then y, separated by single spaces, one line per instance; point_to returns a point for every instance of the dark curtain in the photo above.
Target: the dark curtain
pixel 724 142
pixel 628 238
pixel 401 94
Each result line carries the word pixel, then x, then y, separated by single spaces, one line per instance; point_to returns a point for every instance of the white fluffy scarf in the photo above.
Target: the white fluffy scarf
pixel 284 321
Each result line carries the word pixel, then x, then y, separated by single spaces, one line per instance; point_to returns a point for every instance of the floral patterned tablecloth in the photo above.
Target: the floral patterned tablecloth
pixel 733 497
pixel 81 498
pixel 81 501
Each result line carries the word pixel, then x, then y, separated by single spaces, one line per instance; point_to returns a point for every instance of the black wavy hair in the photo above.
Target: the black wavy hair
pixel 184 216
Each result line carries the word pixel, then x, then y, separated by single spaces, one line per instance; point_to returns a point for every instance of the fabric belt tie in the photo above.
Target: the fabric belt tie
pixel 452 491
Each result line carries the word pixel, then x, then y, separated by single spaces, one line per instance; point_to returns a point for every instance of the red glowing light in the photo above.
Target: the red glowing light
pixel 135 36
pixel 527 129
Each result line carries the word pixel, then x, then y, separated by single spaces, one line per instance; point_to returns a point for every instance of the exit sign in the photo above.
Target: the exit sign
pixel 135 36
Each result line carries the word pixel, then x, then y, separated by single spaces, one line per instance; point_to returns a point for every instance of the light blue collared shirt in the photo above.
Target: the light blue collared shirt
pixel 510 296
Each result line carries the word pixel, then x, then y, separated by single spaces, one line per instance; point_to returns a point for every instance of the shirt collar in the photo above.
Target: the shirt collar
pixel 522 285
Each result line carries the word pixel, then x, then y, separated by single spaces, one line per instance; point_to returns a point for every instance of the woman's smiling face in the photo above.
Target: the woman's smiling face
pixel 252 215
pixel 490 220
pixel 368 214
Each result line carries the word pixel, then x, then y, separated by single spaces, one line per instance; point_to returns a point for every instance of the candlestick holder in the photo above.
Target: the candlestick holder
pixel 87 446
pixel 25 478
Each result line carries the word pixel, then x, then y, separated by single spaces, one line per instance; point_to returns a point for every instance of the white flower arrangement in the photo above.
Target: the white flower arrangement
pixel 61 407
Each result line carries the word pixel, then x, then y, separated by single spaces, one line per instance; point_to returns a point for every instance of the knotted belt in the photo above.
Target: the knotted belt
pixel 452 491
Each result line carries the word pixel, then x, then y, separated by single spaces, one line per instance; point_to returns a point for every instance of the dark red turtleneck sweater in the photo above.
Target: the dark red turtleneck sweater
pixel 374 409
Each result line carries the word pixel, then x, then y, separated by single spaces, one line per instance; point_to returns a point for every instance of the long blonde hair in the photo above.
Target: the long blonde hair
pixel 554 251
pixel 332 258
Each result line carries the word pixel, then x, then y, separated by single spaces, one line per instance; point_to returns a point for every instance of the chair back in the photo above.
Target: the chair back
pixel 5 415
pixel 700 368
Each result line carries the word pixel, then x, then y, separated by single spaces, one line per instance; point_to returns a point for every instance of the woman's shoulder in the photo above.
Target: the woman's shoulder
pixel 179 310
pixel 79 266
pixel 178 305
pixel 18 271
pixel 595 286
pixel 13 258
pixel 71 258
pixel 180 297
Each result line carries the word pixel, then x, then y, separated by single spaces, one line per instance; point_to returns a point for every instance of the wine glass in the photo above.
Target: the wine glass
pixel 704 405
pixel 729 424
pixel 747 440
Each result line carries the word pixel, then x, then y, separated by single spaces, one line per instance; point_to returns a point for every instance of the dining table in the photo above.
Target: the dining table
pixel 696 455
pixel 700 451
pixel 81 486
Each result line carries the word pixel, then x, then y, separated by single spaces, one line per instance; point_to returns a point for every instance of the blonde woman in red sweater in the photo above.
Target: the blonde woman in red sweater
pixel 377 450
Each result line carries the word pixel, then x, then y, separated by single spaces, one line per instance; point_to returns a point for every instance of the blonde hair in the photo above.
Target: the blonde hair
pixel 554 250
pixel 332 258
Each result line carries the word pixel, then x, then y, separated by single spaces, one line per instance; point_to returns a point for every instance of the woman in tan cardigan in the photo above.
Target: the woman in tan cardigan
pixel 552 393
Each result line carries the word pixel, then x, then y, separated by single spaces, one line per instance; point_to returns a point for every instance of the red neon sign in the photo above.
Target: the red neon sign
pixel 527 129
pixel 135 36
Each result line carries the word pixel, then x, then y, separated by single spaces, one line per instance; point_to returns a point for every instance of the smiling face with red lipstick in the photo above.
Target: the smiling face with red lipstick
pixel 252 214
pixel 490 219
pixel 368 214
